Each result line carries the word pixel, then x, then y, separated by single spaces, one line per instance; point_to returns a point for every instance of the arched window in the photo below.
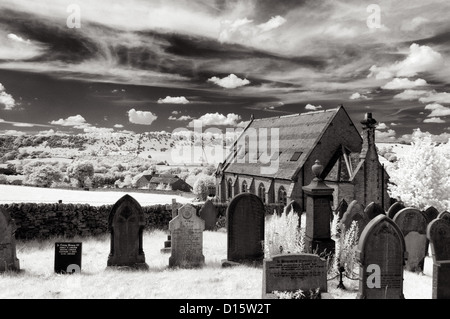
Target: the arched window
pixel 262 192
pixel 230 188
pixel 244 187
pixel 282 197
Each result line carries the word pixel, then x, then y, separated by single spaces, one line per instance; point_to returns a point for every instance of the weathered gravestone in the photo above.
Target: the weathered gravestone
pixel 8 259
pixel 381 254
pixel 67 258
pixel 126 224
pixel 187 238
pixel 174 208
pixel 438 232
pixel 355 212
pixel 209 214
pixel 373 210
pixel 413 225
pixel 444 215
pixel 291 272
pixel 394 209
pixel 341 209
pixel 430 214
pixel 245 230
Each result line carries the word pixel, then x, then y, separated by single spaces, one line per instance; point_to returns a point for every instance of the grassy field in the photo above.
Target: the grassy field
pixel 38 280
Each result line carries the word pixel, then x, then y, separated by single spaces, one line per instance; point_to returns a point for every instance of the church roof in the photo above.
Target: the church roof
pixel 299 134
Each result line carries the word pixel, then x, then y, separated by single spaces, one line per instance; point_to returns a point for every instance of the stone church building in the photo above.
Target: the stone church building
pixel 350 161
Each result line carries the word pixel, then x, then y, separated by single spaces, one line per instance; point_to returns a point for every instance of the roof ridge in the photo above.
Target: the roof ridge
pixel 297 114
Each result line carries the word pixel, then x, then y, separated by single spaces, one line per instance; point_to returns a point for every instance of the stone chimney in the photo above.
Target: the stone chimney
pixel 369 124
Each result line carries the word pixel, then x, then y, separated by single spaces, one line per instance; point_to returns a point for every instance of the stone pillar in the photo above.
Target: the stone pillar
pixel 318 214
pixel 168 243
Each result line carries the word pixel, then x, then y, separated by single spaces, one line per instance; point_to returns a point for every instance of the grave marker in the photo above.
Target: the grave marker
pixel 187 238
pixel 373 210
pixel 67 258
pixel 438 232
pixel 209 214
pixel 413 225
pixel 245 230
pixel 8 259
pixel 431 214
pixel 394 209
pixel 291 272
pixel 355 212
pixel 444 215
pixel 381 254
pixel 126 224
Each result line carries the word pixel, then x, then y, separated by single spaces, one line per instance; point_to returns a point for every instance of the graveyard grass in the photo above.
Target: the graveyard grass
pixel 38 280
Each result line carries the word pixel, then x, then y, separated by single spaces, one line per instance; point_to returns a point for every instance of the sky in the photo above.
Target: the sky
pixel 152 65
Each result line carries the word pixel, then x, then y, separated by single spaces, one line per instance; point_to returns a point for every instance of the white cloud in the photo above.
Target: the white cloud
pixel 118 125
pixel 13 132
pixel 403 83
pixel 173 100
pixel 393 124
pixel 437 110
pixel 6 99
pixel 229 82
pixel 175 112
pixel 388 135
pixel 217 119
pixel 141 117
pixel 273 23
pixel 411 94
pixel 420 59
pixel 47 133
pixel 76 121
pixel 382 126
pixel 413 24
pixel 358 96
pixel 433 96
pixel 181 118
pixel 434 120
pixel 14 37
pixel 312 107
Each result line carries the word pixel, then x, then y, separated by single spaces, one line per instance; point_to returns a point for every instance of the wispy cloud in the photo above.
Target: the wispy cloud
pixel 403 84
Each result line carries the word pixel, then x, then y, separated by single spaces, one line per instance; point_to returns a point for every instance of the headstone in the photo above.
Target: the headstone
pixel 373 210
pixel 381 255
pixel 438 232
pixel 413 225
pixel 209 214
pixel 174 209
pixel 394 209
pixel 68 258
pixel 293 206
pixel 444 215
pixel 341 209
pixel 291 272
pixel 126 224
pixel 245 230
pixel 355 212
pixel 431 214
pixel 187 238
pixel 318 214
pixel 8 259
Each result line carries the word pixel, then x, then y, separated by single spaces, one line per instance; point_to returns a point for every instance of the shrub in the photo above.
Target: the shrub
pixel 80 172
pixel 3 179
pixel 43 175
pixel 298 294
pixel 283 235
pixel 201 186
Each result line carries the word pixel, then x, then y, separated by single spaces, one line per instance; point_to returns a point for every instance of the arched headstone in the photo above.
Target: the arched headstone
pixel 8 259
pixel 431 214
pixel 209 214
pixel 245 230
pixel 355 212
pixel 394 209
pixel 373 210
pixel 413 225
pixel 381 254
pixel 438 232
pixel 444 215
pixel 126 224
pixel 342 208
pixel 187 238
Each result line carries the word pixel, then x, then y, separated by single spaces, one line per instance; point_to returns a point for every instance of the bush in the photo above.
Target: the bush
pixel 3 179
pixel 283 235
pixel 42 175
pixel 201 186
